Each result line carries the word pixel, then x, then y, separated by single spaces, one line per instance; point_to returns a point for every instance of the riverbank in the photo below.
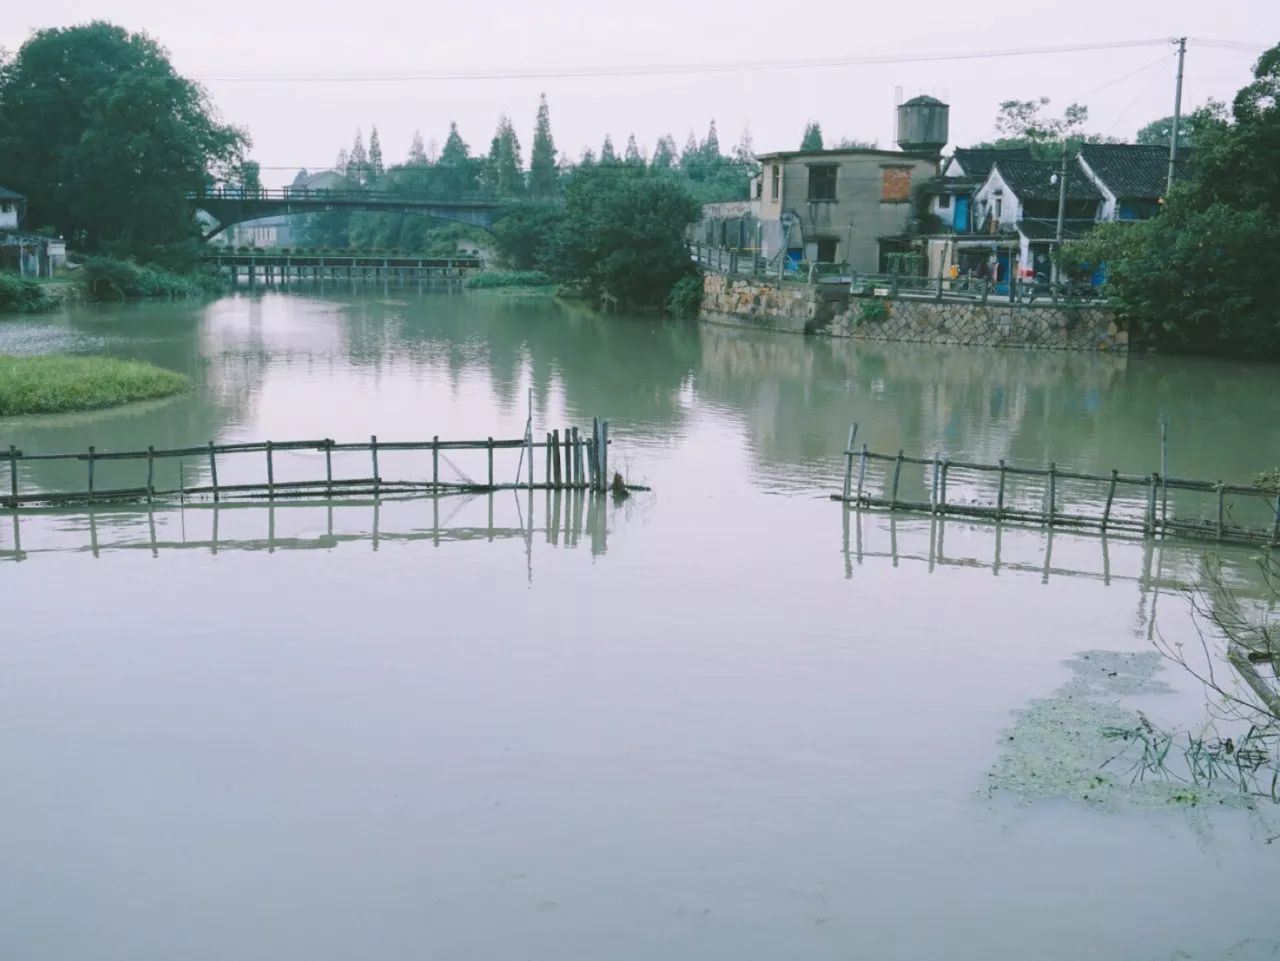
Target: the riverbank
pixel 58 384
pixel 104 279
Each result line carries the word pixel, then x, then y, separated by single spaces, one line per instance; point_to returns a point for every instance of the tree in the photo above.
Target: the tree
pixel 664 154
pixel 856 143
pixel 812 139
pixel 456 177
pixel 631 156
pixel 1157 132
pixel 544 179
pixel 1025 119
pixel 709 149
pixel 689 157
pixel 502 167
pixel 342 164
pixel 376 169
pixel 105 139
pixel 624 234
pixel 358 165
pixel 417 152
pixel 744 154
pixel 528 235
pixel 607 154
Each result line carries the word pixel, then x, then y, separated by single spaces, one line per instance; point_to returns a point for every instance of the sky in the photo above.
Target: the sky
pixel 248 56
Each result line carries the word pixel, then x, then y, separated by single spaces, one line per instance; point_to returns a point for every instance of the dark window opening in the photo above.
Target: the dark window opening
pixel 944 202
pixel 827 250
pixel 775 179
pixel 822 182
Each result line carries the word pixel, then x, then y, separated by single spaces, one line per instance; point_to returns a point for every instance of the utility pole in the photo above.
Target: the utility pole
pixel 1062 213
pixel 1177 115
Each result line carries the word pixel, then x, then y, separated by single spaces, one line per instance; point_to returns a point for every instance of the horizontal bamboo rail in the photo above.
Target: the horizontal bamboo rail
pixel 572 462
pixel 1154 520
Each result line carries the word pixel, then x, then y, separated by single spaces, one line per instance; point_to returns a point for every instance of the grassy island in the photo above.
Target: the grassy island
pixel 57 384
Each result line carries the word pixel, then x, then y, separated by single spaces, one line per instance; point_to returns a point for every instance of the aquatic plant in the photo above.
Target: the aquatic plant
pixel 54 384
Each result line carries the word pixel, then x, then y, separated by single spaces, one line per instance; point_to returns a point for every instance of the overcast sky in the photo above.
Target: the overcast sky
pixel 303 124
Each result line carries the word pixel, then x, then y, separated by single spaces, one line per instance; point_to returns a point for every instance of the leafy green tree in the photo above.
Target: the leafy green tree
pixel 358 166
pixel 376 168
pixel 689 156
pixel 744 154
pixel 342 165
pixel 664 154
pixel 528 235
pixel 709 149
pixel 105 139
pixel 457 173
pixel 502 176
pixel 812 139
pixel 1025 119
pixel 624 234
pixel 417 152
pixel 1157 132
pixel 544 178
pixel 608 156
pixel 631 156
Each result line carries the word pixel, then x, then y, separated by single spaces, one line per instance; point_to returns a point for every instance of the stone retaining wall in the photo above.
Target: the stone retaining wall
pixel 803 308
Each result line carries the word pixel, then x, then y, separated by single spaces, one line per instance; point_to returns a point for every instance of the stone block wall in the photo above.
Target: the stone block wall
pixel 984 325
pixel 803 309
pixel 754 302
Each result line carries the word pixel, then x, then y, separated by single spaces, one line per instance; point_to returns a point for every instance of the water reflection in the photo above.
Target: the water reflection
pixel 556 518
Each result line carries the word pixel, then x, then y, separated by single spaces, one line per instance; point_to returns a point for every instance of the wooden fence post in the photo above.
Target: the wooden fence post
pixel 213 471
pixel 554 453
pixel 1221 508
pixel 862 474
pixel 13 477
pixel 435 461
pixel 1275 530
pixel 848 462
pixel 897 474
pixel 271 474
pixel 490 445
pixel 1000 493
pixel 151 472
pixel 373 449
pixel 548 461
pixel 1111 496
pixel 942 494
pixel 1053 488
pixel 328 468
pixel 1149 522
pixel 604 455
pixel 90 472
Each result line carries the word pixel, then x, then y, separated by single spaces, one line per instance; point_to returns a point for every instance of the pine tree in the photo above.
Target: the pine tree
pixel 745 152
pixel 376 169
pixel 502 175
pixel 544 179
pixel 417 152
pixel 343 164
pixel 608 155
pixel 631 156
pixel 709 149
pixel 455 164
pixel 689 155
pixel 664 154
pixel 588 159
pixel 812 140
pixel 358 166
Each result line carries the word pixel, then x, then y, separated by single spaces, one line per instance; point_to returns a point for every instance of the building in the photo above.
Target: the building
pixel 951 195
pixel 12 207
pixel 840 206
pixel 1132 178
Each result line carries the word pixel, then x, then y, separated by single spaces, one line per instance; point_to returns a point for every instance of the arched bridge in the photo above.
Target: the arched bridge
pixel 234 205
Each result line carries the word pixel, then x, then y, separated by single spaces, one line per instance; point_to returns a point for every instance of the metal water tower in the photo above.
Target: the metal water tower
pixel 923 126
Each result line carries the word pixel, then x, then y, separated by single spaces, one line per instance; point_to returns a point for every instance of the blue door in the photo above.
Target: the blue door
pixel 960 218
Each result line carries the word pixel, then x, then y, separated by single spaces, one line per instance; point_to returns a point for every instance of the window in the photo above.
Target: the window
pixel 775 181
pixel 944 202
pixel 999 206
pixel 826 253
pixel 895 185
pixel 822 182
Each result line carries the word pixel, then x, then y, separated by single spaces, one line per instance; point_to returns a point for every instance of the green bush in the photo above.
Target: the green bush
pixel 57 384
pixel 873 310
pixel 685 299
pixel 507 278
pixel 110 279
pixel 22 296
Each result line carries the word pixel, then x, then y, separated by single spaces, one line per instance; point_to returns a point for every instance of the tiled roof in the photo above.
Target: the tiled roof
pixel 1048 229
pixel 1034 180
pixel 977 161
pixel 6 194
pixel 1132 171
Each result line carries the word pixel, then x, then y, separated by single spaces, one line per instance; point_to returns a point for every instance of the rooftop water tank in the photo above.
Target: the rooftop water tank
pixel 923 126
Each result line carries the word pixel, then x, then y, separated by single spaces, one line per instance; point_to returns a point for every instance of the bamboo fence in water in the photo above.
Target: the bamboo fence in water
pixel 1053 496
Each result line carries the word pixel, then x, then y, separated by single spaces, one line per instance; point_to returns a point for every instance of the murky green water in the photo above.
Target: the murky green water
pixel 711 722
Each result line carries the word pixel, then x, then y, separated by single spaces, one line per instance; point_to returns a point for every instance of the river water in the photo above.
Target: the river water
pixel 718 720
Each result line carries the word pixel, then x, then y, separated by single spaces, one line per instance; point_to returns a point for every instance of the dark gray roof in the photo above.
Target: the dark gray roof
pixel 1036 230
pixel 978 161
pixel 924 100
pixel 1133 171
pixel 7 194
pixel 1034 180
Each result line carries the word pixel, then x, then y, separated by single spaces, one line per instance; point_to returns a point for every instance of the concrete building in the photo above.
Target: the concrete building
pixel 840 206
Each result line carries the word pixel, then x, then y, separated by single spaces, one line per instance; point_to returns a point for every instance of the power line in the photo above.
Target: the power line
pixel 551 73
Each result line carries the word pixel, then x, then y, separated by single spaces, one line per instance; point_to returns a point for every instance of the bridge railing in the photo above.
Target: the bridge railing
pixel 328 194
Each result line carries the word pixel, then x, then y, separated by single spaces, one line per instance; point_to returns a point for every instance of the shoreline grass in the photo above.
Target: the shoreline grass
pixel 507 279
pixel 109 279
pixel 59 384
pixel 21 296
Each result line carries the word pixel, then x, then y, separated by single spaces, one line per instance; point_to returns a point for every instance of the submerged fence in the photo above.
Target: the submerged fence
pixel 1053 496
pixel 571 460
